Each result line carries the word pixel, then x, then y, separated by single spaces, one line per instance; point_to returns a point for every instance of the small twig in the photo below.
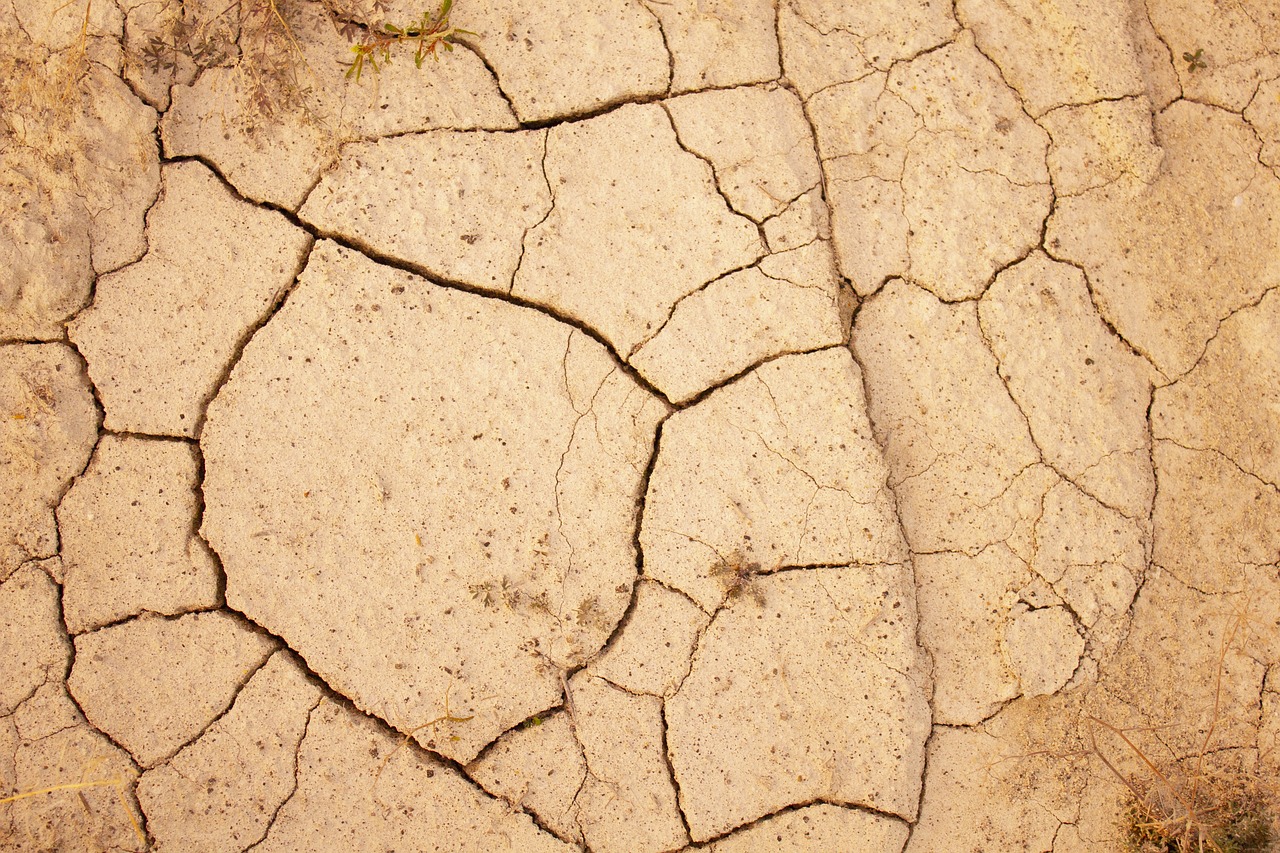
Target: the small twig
pixel 116 782
pixel 446 717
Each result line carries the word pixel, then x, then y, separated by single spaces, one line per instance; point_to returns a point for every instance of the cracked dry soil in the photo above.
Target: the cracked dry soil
pixel 734 425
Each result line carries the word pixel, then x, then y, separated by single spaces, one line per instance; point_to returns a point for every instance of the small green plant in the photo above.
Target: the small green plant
pixel 428 34
pixel 1195 61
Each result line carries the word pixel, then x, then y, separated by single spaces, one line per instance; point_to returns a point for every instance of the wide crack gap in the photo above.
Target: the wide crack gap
pixel 474 45
pixel 197 530
pixel 334 694
pixel 628 613
pixel 30 342
pixel 391 262
pixel 795 807
pixel 158 438
pixel 406 266
pixel 1149 522
pixel 406 739
pixel 535 719
pixel 639 557
pixel 68 645
pixel 671 770
pixel 149 614
pixel 593 112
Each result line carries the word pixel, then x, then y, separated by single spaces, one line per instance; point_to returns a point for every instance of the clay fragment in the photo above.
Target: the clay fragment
pixel 128 535
pixel 153 684
pixel 47 433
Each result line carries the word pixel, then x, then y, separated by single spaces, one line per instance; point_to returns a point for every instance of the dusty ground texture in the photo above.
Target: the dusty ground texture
pixel 661 424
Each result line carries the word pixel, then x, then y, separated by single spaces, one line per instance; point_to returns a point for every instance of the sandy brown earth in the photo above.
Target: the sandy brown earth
pixel 740 425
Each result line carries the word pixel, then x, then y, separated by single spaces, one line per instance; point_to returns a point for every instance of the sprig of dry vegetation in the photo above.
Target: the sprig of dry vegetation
pixel 258 40
pixel 41 85
pixel 1188 807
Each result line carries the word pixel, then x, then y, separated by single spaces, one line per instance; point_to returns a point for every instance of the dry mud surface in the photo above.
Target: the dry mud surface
pixel 660 424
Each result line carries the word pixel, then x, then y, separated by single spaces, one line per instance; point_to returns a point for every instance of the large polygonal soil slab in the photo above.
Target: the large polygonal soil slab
pixel 355 790
pixel 429 494
pixel 934 172
pixel 75 179
pixel 777 469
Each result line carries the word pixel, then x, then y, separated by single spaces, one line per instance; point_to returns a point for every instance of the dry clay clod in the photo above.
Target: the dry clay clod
pixel 33 644
pixel 485 553
pixel 1160 252
pixel 47 431
pixel 278 158
pixel 154 683
pixel 767 717
pixel 355 789
pixel 216 267
pixel 780 466
pixel 128 535
pixel 223 790
pixel 929 179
